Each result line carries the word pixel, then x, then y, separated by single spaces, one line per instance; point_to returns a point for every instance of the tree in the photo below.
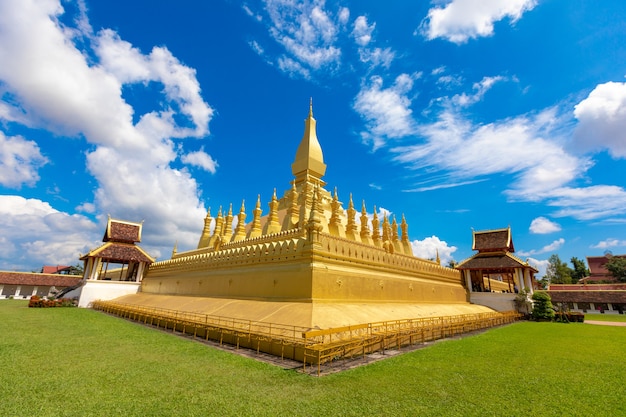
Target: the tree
pixel 542 308
pixel 617 267
pixel 580 269
pixel 558 272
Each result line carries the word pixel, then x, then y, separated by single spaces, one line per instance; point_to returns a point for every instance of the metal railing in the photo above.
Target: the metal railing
pixel 312 347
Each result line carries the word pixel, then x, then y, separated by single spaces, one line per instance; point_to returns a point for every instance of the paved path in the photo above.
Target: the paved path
pixel 607 323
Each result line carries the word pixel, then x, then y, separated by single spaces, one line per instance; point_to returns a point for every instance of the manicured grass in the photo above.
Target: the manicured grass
pixel 77 362
pixel 606 317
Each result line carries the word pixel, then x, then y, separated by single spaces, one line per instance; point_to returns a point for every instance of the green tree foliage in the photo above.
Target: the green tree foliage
pixel 580 269
pixel 542 308
pixel 617 267
pixel 558 272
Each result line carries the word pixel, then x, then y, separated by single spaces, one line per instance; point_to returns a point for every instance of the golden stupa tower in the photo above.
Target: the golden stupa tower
pixel 306 261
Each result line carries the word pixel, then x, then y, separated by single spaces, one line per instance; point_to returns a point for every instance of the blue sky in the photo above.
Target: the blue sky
pixel 461 115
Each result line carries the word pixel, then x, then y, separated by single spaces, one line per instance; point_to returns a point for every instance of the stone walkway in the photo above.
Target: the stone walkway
pixel 607 323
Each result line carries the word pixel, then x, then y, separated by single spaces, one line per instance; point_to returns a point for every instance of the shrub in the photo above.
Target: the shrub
pixel 542 308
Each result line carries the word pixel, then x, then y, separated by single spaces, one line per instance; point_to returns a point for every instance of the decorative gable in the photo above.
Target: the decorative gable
pixel 122 231
pixel 493 240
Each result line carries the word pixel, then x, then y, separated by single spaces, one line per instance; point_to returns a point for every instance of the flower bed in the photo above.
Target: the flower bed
pixel 36 301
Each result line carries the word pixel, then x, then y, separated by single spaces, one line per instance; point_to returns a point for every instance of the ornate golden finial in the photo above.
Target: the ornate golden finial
pixel 395 238
pixel 351 228
pixel 255 229
pixel 240 230
pixel 314 224
pixel 175 250
pixel 334 224
pixel 438 260
pixel 272 225
pixel 376 229
pixel 308 165
pixel 206 232
pixel 219 228
pixel 292 217
pixel 406 244
pixel 365 230
pixel 227 230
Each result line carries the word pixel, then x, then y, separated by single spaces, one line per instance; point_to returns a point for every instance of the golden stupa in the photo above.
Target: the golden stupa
pixel 307 262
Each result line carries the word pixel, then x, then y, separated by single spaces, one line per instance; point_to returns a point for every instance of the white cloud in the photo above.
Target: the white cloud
pixel 453 151
pixel 546 249
pixel 480 88
pixel 362 32
pixel 515 146
pixel 55 86
pixel 429 247
pixel 363 37
pixel 602 119
pixel 36 234
pixel 200 159
pixel 386 111
pixel 589 203
pixel 308 33
pixel 541 225
pixel 609 243
pixel 540 265
pixel 460 20
pixel 19 161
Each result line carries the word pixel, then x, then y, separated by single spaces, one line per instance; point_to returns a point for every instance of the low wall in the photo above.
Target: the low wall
pixel 105 290
pixel 494 300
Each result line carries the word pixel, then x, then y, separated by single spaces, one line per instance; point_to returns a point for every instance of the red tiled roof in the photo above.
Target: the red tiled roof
pixel 49 269
pixel 494 261
pixel 33 278
pixel 120 252
pixel 587 296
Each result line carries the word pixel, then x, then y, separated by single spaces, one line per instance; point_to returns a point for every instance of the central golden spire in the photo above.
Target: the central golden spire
pixel 309 163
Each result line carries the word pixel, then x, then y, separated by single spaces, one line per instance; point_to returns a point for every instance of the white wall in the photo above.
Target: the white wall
pixel 105 290
pixel 494 300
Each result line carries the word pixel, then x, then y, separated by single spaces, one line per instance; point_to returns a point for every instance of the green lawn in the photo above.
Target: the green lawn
pixel 77 362
pixel 606 317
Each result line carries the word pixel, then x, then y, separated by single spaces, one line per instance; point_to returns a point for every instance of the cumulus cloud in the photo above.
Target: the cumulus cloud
pixel 70 80
pixel 362 31
pixel 461 20
pixel 540 265
pixel 479 90
pixel 35 234
pixel 541 226
pixel 516 146
pixel 602 120
pixel 313 36
pixel 200 159
pixel 429 247
pixel 20 160
pixel 609 243
pixel 386 111
pixel 308 34
pixel 546 249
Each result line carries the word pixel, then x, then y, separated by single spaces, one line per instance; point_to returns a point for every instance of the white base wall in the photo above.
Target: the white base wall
pixel 105 290
pixel 494 300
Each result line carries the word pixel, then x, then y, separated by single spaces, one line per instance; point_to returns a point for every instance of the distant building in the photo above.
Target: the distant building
pixel 597 269
pixel 590 298
pixel 27 284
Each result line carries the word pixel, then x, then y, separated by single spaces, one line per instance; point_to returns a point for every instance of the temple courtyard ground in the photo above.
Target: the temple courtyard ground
pixel 78 362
